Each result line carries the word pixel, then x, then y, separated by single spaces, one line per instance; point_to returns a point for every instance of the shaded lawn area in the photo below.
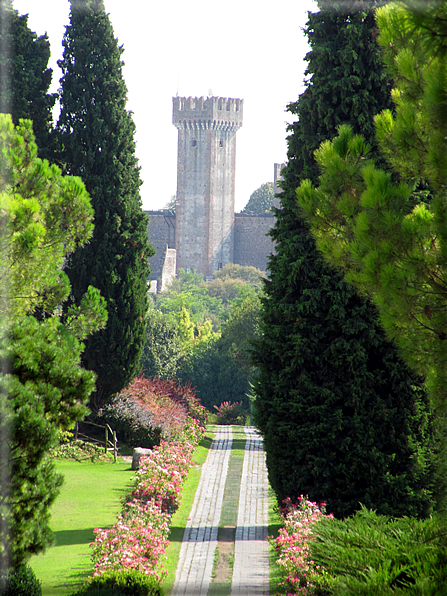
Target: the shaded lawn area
pixel 90 498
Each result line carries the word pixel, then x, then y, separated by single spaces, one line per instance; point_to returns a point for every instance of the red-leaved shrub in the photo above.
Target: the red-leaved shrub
pixel 151 410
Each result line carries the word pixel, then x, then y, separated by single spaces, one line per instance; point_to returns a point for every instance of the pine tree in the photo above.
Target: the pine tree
pixel 97 133
pixel 43 389
pixel 344 420
pixel 25 77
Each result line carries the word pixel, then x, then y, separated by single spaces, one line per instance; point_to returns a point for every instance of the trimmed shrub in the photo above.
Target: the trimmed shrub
pixel 122 583
pixel 20 582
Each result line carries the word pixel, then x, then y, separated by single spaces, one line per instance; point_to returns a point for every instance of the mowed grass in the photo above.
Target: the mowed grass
pixel 90 498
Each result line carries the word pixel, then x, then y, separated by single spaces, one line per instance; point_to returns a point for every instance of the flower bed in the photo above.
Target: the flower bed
pixel 140 536
pixel 301 575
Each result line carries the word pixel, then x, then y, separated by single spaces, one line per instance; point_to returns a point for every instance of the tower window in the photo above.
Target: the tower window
pixel 194 143
pixel 220 143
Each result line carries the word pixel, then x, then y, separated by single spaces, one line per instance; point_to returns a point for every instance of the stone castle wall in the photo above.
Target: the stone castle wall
pixel 252 246
pixel 162 236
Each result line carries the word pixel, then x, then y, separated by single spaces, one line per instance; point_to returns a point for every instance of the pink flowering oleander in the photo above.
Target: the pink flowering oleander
pixel 292 545
pixel 162 474
pixel 139 538
pixel 136 541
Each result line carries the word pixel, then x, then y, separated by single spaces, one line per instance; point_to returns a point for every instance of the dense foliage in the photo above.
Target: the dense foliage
pixel 372 554
pixel 343 419
pixel 220 369
pixel 25 76
pixel 149 411
pixel 21 582
pixel 97 133
pixel 180 341
pixel 260 200
pixel 43 388
pixel 163 350
pixel 389 240
pixel 122 583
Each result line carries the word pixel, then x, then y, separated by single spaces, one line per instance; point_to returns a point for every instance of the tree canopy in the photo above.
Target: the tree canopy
pixel 385 232
pixel 260 200
pixel 44 216
pixel 343 418
pixel 97 133
pixel 43 388
pixel 25 76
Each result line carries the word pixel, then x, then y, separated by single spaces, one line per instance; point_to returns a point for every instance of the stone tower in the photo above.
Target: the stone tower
pixel 206 167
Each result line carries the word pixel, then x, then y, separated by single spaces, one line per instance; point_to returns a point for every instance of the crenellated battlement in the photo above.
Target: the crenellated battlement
pixel 207 113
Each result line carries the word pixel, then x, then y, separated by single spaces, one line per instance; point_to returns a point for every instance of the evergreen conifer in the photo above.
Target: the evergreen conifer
pixel 97 136
pixel 343 419
pixel 25 77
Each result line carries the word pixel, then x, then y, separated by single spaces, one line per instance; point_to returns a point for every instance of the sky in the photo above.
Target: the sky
pixel 229 48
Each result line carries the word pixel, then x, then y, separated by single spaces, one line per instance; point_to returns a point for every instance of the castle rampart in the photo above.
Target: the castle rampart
pixel 213 113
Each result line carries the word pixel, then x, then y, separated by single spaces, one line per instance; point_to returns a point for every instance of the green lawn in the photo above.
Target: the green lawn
pixel 90 498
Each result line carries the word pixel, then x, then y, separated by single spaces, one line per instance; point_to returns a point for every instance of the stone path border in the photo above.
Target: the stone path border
pixel 251 551
pixel 251 559
pixel 195 566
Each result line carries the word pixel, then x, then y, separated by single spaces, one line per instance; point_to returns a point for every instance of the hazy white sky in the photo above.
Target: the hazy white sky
pixel 231 48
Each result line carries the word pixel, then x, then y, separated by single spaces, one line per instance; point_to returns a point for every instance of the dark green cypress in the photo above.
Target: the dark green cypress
pixel 97 134
pixel 25 77
pixel 343 418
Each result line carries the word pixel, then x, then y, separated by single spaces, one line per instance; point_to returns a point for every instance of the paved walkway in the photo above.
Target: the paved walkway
pixel 250 571
pixel 251 552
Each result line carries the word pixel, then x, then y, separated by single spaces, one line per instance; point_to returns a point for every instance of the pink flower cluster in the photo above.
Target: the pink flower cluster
pixel 139 538
pixel 161 476
pixel 292 545
pixel 136 541
pixel 230 413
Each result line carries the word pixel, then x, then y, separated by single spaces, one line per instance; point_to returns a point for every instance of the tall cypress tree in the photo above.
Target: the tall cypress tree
pixel 344 420
pixel 97 134
pixel 25 77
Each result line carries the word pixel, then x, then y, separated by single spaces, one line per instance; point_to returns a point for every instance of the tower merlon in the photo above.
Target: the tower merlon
pixel 207 112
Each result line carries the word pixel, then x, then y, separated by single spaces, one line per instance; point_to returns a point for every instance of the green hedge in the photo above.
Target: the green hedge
pixel 122 583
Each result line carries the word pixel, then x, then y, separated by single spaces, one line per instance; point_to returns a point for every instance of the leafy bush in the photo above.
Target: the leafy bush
pixel 183 394
pixel 21 582
pixel 122 583
pixel 151 410
pixel 369 554
pixel 133 423
pixel 231 413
